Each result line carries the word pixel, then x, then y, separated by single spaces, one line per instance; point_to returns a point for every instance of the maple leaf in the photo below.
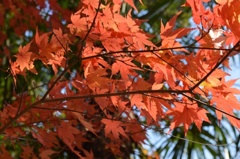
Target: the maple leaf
pixel 110 42
pixel 103 102
pixel 140 84
pixel 79 25
pixel 132 127
pixel 89 155
pixel 141 40
pixel 229 11
pixel 121 105
pixel 164 72
pixel 214 79
pixel 131 3
pixel 86 124
pixel 51 51
pixel 228 105
pixel 14 70
pixel 200 14
pixel 27 152
pixel 68 137
pixel 25 58
pixel 137 100
pixel 157 86
pixel 114 128
pixel 107 20
pixel 187 114
pixel 42 40
pixel 153 109
pixel 168 31
pixel 60 37
pixel 92 3
pixel 47 153
pixel 45 50
pixel 126 69
pixel 131 25
pixel 169 34
pixel 96 79
pixel 42 135
pixel 82 139
pixel 223 97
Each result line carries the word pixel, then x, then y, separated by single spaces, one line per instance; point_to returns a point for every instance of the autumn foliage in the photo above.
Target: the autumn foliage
pixel 109 83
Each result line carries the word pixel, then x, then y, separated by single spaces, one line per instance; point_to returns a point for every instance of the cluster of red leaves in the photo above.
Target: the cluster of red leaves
pixel 26 14
pixel 111 94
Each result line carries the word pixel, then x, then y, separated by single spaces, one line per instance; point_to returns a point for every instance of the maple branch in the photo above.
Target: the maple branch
pixel 157 97
pixel 43 100
pixel 20 103
pixel 215 67
pixel 210 106
pixel 114 94
pixel 159 49
pixel 66 109
pixel 44 84
pixel 88 32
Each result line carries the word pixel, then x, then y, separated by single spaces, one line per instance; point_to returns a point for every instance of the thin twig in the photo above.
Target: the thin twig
pixel 159 49
pixel 113 94
pixel 210 106
pixel 88 32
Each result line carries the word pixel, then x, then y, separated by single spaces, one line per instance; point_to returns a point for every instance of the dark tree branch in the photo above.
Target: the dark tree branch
pixel 211 107
pixel 215 67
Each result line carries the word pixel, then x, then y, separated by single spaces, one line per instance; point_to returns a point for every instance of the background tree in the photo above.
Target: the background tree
pixel 91 83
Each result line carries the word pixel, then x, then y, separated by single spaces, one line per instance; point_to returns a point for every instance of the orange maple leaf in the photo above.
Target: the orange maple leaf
pixel 187 114
pixel 114 128
pixel 126 69
pixel 47 153
pixel 79 25
pixel 131 3
pixel 24 57
pixel 86 124
pixel 92 3
pixel 51 51
pixel 230 11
